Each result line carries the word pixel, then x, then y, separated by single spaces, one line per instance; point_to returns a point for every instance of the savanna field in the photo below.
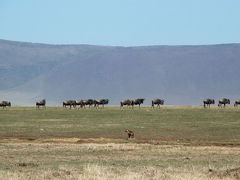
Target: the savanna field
pixel 170 143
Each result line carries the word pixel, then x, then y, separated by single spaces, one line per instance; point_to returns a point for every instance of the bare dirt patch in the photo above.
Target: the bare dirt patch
pixel 153 141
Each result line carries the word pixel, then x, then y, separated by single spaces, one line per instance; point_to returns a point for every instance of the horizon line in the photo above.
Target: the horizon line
pixel 66 44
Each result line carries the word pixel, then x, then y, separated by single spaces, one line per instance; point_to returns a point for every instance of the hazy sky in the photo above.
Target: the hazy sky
pixel 121 22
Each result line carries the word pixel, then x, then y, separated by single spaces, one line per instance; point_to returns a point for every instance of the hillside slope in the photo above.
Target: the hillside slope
pixel 179 74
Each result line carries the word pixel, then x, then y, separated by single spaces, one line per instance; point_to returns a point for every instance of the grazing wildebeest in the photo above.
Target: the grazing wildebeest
pixel 41 103
pixel 130 133
pixel 237 102
pixel 223 102
pixel 208 102
pixel 80 103
pixel 4 104
pixel 100 102
pixel 127 102
pixel 158 102
pixel 89 102
pixel 138 102
pixel 70 103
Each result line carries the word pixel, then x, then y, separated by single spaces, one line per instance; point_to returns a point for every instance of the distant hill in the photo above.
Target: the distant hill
pixel 182 75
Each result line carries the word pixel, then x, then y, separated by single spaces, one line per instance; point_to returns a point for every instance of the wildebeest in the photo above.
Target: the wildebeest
pixel 223 102
pixel 127 102
pixel 70 103
pixel 158 102
pixel 237 102
pixel 4 104
pixel 41 103
pixel 80 103
pixel 138 102
pixel 208 102
pixel 89 102
pixel 100 102
pixel 130 133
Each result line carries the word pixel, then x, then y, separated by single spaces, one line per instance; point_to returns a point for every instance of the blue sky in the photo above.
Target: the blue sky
pixel 121 22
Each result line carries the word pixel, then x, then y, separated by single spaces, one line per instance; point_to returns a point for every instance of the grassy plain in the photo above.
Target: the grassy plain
pixel 192 125
pixel 171 143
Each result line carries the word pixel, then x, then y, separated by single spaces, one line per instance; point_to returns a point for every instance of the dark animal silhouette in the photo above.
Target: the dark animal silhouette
pixel 100 102
pixel 127 102
pixel 89 102
pixel 70 103
pixel 41 103
pixel 138 102
pixel 223 102
pixel 80 103
pixel 5 104
pixel 208 102
pixel 158 102
pixel 237 102
pixel 130 133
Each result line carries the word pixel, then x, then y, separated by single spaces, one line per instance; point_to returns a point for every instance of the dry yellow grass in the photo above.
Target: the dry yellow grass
pixel 117 161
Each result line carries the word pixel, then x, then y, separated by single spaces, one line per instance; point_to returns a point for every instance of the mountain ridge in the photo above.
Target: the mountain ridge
pixel 60 44
pixel 182 75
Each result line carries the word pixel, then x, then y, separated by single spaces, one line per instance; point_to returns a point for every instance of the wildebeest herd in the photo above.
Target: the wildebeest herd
pixel 84 103
pixel 140 101
pixel 4 104
pixel 128 102
pixel 102 102
pixel 221 103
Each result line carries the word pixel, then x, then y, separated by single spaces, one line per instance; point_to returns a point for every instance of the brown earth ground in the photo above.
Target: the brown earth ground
pixel 101 158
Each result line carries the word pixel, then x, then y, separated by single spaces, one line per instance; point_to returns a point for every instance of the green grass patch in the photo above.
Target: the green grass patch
pixel 171 124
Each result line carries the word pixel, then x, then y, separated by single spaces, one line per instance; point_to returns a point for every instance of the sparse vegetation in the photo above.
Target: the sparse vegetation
pixel 170 143
pixel 189 125
pixel 117 161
